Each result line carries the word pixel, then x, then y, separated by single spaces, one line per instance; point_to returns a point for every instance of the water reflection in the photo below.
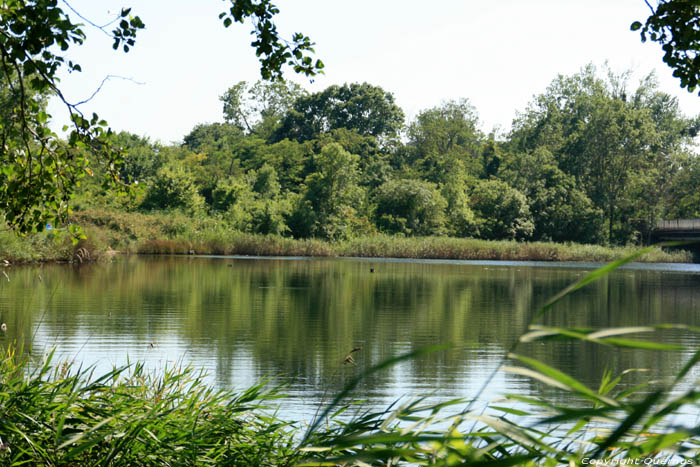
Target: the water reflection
pixel 295 320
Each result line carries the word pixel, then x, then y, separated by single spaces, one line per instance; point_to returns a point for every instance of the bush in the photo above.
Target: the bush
pixel 173 187
pixel 502 211
pixel 410 207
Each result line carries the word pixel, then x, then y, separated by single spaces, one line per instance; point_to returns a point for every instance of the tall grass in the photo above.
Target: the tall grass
pixel 633 425
pixel 383 246
pixel 51 415
pixel 474 249
pixel 175 233
pixel 48 246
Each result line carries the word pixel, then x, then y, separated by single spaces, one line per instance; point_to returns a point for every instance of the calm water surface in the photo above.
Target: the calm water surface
pixel 294 320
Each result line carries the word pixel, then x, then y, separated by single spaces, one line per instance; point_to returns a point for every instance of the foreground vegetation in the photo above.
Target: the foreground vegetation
pixel 109 232
pixel 55 415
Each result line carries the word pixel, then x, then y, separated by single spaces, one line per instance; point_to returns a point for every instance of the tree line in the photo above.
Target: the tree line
pixel 40 170
pixel 590 160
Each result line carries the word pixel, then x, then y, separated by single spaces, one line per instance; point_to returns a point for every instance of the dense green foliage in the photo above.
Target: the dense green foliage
pixel 616 155
pixel 362 108
pixel 591 160
pixel 39 170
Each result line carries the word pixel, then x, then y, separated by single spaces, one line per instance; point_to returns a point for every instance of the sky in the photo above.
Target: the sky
pixel 499 54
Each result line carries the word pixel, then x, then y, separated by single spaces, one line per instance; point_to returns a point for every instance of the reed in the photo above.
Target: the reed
pixel 175 233
pixel 382 246
pixel 52 415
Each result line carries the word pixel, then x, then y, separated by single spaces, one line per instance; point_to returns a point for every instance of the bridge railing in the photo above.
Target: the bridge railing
pixel 679 224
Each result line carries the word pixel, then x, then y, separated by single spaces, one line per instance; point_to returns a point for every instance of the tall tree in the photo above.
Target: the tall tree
pixel 685 189
pixel 331 196
pixel 603 133
pixel 364 108
pixel 615 143
pixel 560 209
pixel 443 137
pixel 258 108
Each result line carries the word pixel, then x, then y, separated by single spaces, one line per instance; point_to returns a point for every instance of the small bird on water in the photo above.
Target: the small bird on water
pixel 348 358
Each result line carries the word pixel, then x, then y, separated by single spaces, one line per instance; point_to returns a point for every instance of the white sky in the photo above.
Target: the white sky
pixel 496 53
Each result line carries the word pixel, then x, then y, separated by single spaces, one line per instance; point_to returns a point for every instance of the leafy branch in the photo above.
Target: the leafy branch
pixel 675 24
pixel 273 51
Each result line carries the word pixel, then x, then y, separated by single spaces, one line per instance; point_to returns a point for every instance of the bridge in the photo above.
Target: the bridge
pixel 676 229
pixel 679 230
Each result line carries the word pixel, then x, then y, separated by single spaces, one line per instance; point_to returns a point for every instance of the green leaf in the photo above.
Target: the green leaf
pixel 557 378
pixel 640 410
pixel 509 410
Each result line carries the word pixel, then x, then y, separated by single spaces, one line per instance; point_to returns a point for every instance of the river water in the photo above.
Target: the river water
pixel 295 319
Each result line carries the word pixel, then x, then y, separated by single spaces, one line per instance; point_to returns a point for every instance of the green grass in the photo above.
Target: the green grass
pixel 54 416
pixel 173 233
pixel 44 246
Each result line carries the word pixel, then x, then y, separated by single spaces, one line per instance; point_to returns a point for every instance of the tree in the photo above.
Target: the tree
pixel 440 135
pixel 365 146
pixel 364 108
pixel 174 187
pixel 258 108
pixel 266 183
pixel 616 141
pixel 604 135
pixel 291 160
pixel 250 202
pixel 502 211
pixel 328 207
pixel 554 119
pixel 374 164
pixel 685 189
pixel 142 158
pixel 39 170
pixel 223 144
pixel 233 190
pixel 560 210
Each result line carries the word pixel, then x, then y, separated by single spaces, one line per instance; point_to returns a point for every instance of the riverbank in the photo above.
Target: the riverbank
pixel 108 232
